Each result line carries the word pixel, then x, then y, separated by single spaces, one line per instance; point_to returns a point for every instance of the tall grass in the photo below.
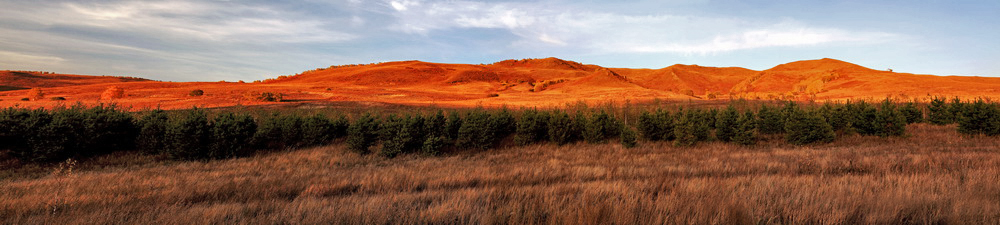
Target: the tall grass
pixel 936 176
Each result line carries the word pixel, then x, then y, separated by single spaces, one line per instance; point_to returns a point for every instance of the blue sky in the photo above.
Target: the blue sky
pixel 202 40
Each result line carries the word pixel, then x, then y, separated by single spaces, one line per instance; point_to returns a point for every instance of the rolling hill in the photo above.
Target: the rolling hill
pixel 526 82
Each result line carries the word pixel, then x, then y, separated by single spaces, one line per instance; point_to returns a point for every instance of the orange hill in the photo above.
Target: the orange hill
pixel 528 82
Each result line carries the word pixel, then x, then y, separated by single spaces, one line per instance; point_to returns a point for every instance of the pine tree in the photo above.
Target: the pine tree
pixel 436 125
pixel 629 138
pixel 396 136
pixel 938 113
pixel 647 126
pixel 478 131
pixel 807 127
pixel 980 117
pixel 912 113
pixel 532 127
pixel 770 120
pixel 867 120
pixel 691 128
pixel 745 132
pixel 562 128
pixel 152 129
pixel 363 133
pixel 892 121
pixel 231 135
pixel 190 136
pixel 725 124
pixel 601 127
pixel 452 126
pixel 956 109
pixel 317 130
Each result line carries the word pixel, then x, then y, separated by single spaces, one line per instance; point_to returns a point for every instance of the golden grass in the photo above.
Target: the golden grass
pixel 935 176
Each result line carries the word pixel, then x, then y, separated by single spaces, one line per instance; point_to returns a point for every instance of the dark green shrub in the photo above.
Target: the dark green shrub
pixel 562 128
pixel 725 124
pixel 656 126
pixel 189 137
pixel 601 127
pixel 53 140
pixel 436 125
pixel 279 132
pixel 709 116
pixel 838 116
pixel 980 117
pixel 14 126
pixel 106 129
pixel 478 131
pixel 433 145
pixel 891 120
pixel 152 130
pixel 745 132
pixel 956 109
pixel 317 130
pixel 867 120
pixel 363 133
pixel 912 113
pixel 938 113
pixel 231 136
pixel 395 136
pixel 646 125
pixel 502 123
pixel 415 125
pixel 807 127
pixel 339 127
pixel 770 120
pixel 884 121
pixel 452 126
pixel 691 128
pixel 629 138
pixel 532 127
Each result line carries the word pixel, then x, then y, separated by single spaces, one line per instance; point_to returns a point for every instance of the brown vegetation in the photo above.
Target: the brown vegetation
pixel 112 93
pixel 935 176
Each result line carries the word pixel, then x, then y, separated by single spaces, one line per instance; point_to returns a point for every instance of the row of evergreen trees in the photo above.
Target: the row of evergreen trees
pixel 54 135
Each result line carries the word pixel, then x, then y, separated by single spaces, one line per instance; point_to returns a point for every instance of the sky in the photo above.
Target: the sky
pixel 212 40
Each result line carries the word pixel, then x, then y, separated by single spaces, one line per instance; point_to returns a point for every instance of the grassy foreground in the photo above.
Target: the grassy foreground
pixel 933 176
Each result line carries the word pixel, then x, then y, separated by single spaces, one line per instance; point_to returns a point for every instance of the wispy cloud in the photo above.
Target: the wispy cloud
pixel 538 25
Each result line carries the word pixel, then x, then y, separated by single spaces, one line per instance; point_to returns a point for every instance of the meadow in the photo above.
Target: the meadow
pixel 934 176
pixel 928 174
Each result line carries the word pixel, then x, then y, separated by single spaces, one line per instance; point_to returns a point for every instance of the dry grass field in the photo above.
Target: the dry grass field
pixel 934 176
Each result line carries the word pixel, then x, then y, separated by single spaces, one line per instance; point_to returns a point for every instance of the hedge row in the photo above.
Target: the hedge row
pixel 53 135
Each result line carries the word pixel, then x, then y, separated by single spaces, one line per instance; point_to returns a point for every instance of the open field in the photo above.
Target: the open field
pixel 933 176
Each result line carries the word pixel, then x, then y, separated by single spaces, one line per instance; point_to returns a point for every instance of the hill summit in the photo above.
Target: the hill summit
pixel 524 82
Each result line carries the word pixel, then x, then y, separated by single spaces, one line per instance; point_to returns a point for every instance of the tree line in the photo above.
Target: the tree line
pixel 49 135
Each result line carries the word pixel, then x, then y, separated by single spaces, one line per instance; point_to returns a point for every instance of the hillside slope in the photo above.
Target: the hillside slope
pixel 525 82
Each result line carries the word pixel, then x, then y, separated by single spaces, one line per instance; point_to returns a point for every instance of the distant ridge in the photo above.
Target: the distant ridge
pixel 525 82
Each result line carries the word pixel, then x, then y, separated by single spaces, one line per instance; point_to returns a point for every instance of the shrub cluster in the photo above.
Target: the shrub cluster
pixel 41 135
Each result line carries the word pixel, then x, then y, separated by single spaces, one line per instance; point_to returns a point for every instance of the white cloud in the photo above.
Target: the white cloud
pixel 538 25
pixel 19 60
pixel 403 5
pixel 190 20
